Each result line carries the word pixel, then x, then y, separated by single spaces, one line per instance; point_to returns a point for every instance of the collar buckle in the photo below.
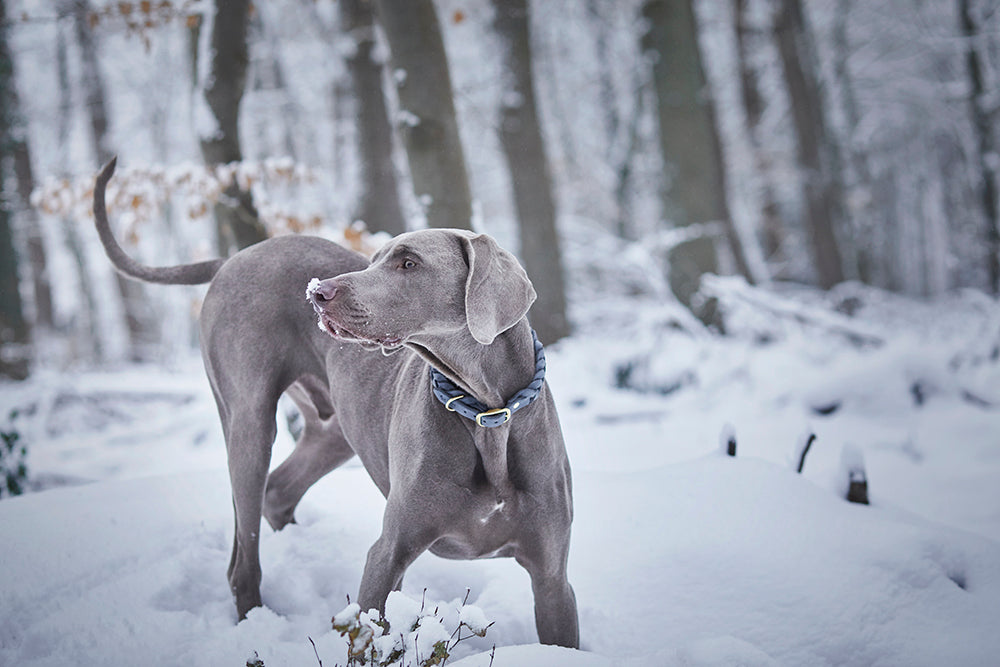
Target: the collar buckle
pixel 506 412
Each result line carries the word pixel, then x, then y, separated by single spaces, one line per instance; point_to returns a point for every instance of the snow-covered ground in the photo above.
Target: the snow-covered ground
pixel 680 556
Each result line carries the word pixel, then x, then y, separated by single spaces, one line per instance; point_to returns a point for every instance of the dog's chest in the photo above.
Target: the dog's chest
pixel 485 528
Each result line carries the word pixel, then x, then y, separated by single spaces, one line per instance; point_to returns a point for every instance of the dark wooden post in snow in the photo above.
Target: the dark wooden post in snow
pixel 852 467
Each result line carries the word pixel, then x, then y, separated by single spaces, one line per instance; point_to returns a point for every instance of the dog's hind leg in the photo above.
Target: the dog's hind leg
pixel 321 448
pixel 250 430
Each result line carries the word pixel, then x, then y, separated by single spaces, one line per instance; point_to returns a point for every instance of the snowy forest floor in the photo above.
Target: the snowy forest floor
pixel 680 554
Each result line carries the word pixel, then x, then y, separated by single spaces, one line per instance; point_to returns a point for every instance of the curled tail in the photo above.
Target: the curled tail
pixel 184 274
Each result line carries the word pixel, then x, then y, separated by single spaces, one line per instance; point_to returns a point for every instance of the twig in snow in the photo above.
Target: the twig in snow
pixel 810 439
pixel 314 650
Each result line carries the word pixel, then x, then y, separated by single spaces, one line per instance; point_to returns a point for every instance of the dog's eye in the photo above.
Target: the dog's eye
pixel 408 264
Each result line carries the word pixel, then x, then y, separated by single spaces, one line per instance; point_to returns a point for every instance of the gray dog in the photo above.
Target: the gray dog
pixel 460 479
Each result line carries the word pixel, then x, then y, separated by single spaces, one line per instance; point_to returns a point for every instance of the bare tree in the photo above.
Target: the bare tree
pixel 41 286
pixel 379 205
pixel 986 149
pixel 427 118
pixel 140 320
pixel 817 154
pixel 695 190
pixel 771 227
pixel 16 146
pixel 15 333
pixel 14 330
pixel 88 330
pixel 524 150
pixel 268 79
pixel 237 221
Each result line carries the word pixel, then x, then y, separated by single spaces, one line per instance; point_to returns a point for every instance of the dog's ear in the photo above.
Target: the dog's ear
pixel 497 290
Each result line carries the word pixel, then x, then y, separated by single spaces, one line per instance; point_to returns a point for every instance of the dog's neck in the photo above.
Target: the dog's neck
pixel 491 373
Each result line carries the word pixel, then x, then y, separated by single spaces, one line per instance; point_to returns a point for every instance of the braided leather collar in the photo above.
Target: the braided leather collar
pixel 457 400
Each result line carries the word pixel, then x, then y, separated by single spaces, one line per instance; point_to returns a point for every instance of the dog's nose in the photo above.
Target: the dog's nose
pixel 323 292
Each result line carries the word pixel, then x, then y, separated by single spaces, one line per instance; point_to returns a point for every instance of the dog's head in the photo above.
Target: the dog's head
pixel 425 283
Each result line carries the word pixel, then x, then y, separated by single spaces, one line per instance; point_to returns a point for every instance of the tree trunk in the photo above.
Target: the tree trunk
pixel 140 320
pixel 427 118
pixel 88 329
pixel 93 82
pixel 16 146
pixel 624 164
pixel 605 73
pixel 14 330
pixel 524 150
pixel 817 156
pixel 771 227
pixel 267 78
pixel 41 286
pixel 986 149
pixel 379 205
pixel 695 191
pixel 623 133
pixel 868 208
pixel 237 222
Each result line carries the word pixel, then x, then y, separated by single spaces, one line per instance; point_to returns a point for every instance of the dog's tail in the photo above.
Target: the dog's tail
pixel 184 274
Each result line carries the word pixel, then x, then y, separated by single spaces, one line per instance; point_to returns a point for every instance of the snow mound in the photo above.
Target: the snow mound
pixel 715 561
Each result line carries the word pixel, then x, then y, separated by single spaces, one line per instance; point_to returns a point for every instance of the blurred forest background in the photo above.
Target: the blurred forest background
pixel 623 148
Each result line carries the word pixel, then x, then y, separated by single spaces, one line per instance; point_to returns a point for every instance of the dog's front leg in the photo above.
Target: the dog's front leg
pixel 555 609
pixel 405 535
pixel 543 553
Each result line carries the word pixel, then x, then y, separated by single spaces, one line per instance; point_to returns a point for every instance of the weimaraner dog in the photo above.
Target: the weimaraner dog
pixel 412 350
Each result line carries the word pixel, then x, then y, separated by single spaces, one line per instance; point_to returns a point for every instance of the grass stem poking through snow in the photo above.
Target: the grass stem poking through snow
pixel 315 651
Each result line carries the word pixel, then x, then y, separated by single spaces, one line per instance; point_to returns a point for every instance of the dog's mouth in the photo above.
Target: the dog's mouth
pixel 338 331
pixel 387 343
